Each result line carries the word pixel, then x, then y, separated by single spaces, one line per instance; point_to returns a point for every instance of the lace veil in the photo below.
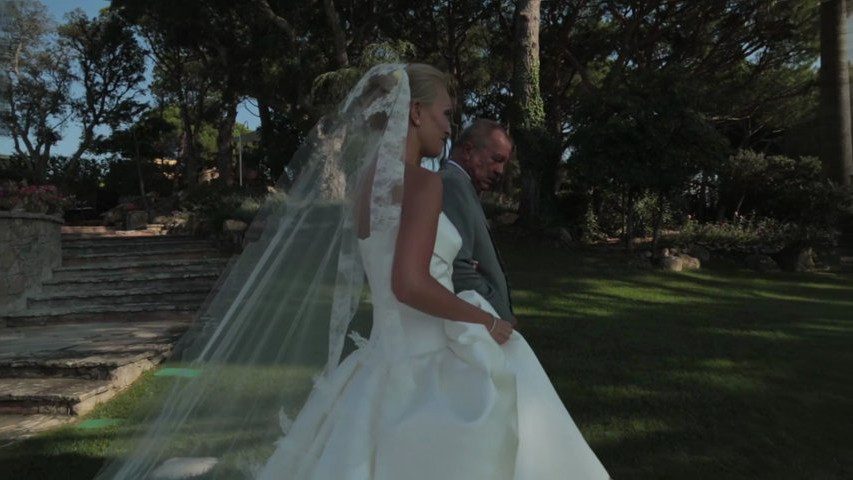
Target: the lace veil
pixel 278 319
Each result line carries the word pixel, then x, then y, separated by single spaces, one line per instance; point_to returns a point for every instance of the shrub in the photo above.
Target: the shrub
pixel 31 198
pixel 765 235
pixel 783 188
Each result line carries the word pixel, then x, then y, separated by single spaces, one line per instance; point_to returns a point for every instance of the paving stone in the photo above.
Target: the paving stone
pixel 14 428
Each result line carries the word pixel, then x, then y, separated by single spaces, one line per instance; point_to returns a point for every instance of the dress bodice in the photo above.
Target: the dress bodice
pixel 399 330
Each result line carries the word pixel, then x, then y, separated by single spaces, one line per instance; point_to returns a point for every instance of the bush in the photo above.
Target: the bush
pixel 31 198
pixel 209 205
pixel 782 188
pixel 764 235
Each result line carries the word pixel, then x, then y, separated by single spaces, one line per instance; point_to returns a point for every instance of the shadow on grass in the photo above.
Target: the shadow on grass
pixel 717 374
pixel 61 466
pixel 713 374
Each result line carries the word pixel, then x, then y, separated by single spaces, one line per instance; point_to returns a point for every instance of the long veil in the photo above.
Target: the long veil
pixel 278 319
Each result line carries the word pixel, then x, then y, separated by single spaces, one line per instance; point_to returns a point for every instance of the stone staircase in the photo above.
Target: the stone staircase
pixel 112 311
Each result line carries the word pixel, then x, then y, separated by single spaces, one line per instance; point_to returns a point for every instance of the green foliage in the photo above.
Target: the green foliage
pixel 31 198
pixel 782 188
pixel 110 63
pixel 640 96
pixel 210 204
pixel 122 177
pixel 647 134
pixel 744 234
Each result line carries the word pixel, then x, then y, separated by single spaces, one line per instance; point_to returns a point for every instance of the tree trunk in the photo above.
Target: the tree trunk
pixel 189 150
pixel 224 138
pixel 532 140
pixel 334 22
pixel 266 139
pixel 629 220
pixel 658 220
pixel 85 142
pixel 837 144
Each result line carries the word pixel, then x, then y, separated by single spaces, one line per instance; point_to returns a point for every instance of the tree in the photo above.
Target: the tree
pixel 179 80
pixel 110 64
pixel 534 146
pixel 646 137
pixel 38 81
pixel 150 138
pixel 837 152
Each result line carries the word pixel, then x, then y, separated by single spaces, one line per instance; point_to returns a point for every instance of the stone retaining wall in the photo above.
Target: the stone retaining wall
pixel 30 248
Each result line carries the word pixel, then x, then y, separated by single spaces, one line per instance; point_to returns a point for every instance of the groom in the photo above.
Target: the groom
pixel 477 162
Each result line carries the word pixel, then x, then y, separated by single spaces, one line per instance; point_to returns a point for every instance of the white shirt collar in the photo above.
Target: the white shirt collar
pixel 459 167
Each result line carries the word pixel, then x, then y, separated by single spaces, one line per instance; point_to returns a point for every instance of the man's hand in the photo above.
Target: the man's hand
pixel 513 321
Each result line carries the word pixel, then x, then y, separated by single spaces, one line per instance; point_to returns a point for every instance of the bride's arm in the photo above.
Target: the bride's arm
pixel 411 281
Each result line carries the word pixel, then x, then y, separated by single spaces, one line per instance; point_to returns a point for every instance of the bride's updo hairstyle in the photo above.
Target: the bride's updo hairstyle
pixel 425 82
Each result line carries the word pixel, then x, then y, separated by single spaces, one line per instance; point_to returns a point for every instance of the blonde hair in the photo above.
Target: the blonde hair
pixel 426 81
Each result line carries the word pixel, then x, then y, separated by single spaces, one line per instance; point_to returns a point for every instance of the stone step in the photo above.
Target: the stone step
pixel 14 428
pixel 127 239
pixel 79 247
pixel 116 351
pixel 102 230
pixel 145 266
pixel 118 236
pixel 131 312
pixel 52 396
pixel 86 229
pixel 132 280
pixel 193 294
pixel 137 255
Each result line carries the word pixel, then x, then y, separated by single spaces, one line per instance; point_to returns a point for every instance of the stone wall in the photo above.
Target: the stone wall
pixel 30 248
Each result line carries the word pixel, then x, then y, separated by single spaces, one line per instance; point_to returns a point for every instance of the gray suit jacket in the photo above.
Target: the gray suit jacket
pixel 461 204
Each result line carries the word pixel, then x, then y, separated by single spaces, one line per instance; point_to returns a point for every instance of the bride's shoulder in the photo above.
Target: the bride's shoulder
pixel 423 181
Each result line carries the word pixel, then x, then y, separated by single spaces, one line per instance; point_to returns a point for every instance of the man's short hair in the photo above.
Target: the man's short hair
pixel 479 132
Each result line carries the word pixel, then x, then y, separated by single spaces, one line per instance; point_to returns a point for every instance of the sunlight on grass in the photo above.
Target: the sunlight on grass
pixel 620 429
pixel 700 375
pixel 728 382
pixel 763 334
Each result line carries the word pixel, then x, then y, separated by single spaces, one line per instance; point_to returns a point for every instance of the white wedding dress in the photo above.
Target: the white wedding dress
pixel 431 399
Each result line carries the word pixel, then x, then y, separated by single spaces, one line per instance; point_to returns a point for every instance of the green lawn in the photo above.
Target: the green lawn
pixel 720 374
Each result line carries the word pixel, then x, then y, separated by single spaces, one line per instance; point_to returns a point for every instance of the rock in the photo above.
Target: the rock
pixel 671 264
pixel 805 261
pixel 135 220
pixel 506 219
pixel 113 216
pixel 184 467
pixel 796 259
pixel 565 236
pixel 234 226
pixel 664 253
pixel 689 263
pixel 700 252
pixel 761 263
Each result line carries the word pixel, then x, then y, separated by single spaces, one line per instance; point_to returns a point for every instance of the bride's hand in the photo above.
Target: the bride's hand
pixel 499 330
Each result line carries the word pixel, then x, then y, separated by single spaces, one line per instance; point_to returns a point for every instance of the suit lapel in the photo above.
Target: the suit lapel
pixel 489 231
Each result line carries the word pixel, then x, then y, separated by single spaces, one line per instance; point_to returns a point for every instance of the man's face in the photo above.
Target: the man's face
pixel 486 165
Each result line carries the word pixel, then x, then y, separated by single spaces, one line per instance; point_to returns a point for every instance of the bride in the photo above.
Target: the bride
pixel 441 389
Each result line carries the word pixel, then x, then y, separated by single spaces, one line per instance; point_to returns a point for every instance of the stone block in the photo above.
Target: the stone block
pixel 672 264
pixel 135 220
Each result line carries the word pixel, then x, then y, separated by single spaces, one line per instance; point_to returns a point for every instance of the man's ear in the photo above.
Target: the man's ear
pixel 467 148
pixel 415 113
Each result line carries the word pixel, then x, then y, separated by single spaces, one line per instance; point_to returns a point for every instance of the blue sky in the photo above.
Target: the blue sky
pixel 246 114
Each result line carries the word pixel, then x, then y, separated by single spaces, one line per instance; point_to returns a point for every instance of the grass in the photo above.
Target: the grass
pixel 716 374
